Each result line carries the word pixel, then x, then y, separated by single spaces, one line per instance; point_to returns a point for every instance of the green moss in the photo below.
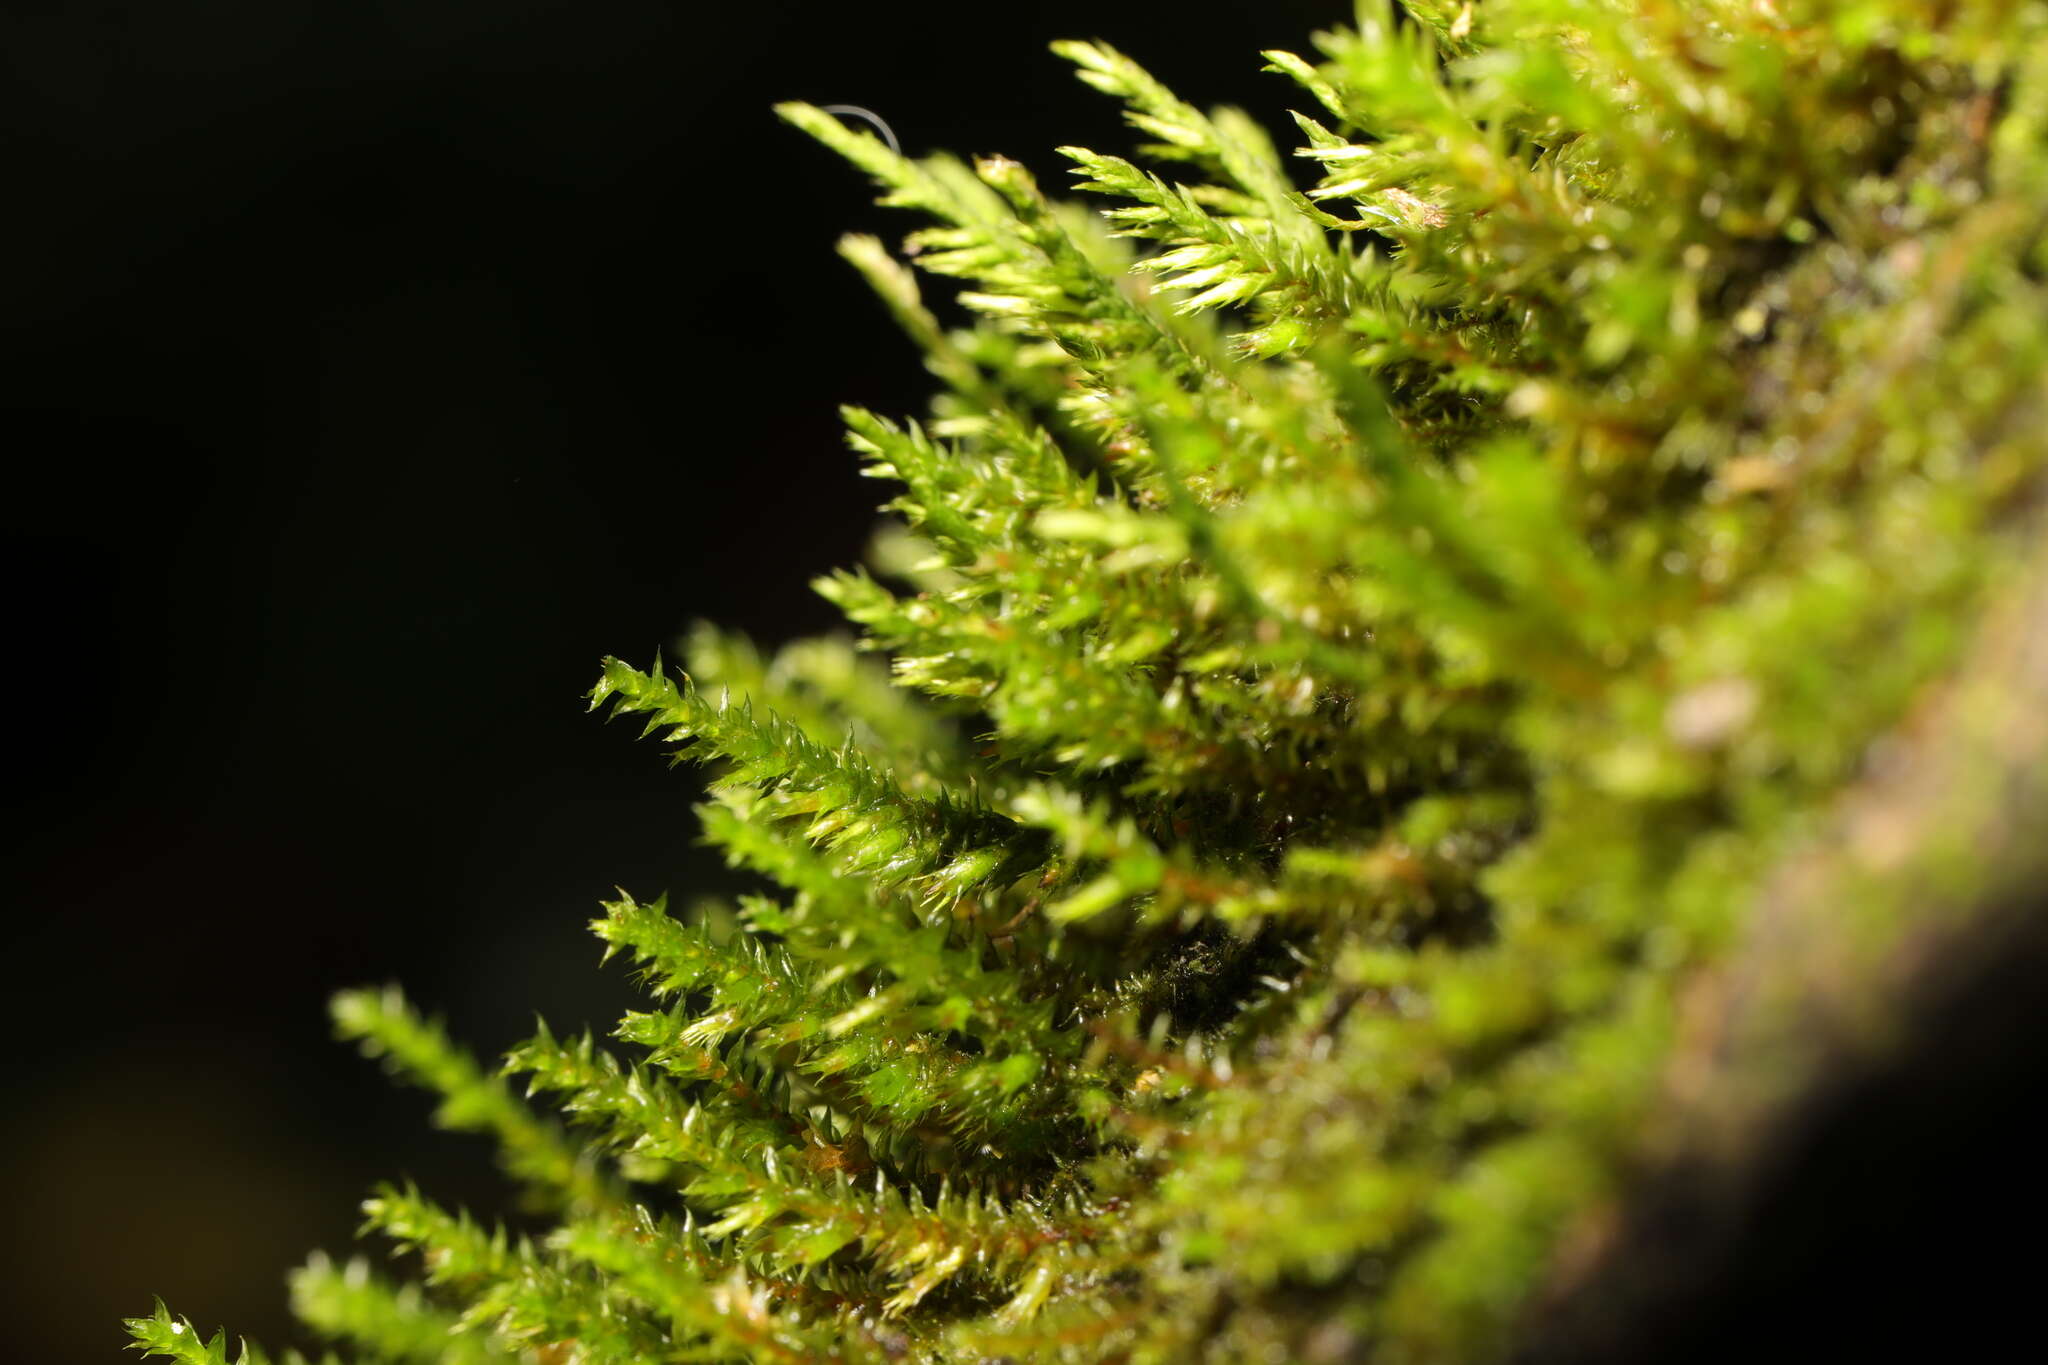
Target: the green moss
pixel 1362 653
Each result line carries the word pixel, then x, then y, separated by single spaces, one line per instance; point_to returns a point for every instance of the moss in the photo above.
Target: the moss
pixel 1387 676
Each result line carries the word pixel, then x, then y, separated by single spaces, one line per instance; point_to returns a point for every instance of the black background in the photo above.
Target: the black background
pixel 372 368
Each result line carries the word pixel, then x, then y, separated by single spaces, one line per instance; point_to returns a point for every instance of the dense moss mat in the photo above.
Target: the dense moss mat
pixel 1416 691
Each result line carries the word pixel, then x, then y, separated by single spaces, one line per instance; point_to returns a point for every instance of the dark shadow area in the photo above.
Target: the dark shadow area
pixel 1890 1218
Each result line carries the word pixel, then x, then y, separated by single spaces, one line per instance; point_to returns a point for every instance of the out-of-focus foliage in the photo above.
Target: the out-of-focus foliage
pixel 1364 625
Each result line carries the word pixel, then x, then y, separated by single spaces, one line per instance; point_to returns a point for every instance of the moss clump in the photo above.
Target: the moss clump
pixel 1363 653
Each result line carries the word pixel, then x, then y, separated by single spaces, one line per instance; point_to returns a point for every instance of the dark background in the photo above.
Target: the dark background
pixel 372 368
